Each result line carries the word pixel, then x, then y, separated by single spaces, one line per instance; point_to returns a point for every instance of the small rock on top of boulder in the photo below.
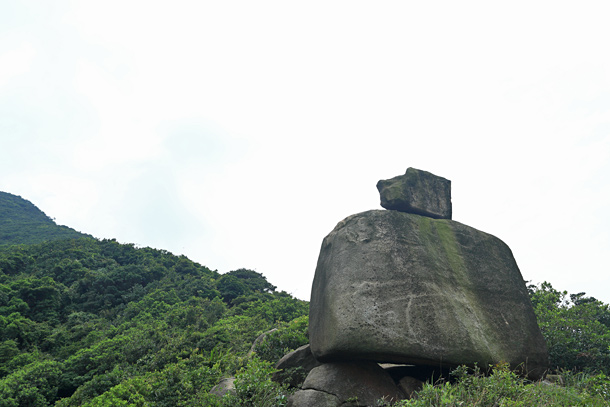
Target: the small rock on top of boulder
pixel 418 192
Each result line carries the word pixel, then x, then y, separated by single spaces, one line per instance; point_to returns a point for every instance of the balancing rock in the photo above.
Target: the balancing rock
pixel 399 287
pixel 418 192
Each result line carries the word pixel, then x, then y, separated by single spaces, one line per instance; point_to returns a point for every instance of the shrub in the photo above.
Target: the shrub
pixel 286 339
pixel 504 388
pixel 254 387
pixel 576 330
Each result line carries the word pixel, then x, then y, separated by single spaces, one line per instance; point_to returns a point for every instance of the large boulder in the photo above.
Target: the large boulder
pixel 402 288
pixel 418 192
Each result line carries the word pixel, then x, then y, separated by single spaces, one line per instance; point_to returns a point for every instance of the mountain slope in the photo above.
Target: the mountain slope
pixel 21 222
pixel 84 318
pixel 84 322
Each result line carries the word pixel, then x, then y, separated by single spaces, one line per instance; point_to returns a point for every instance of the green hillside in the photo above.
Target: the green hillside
pixel 89 322
pixel 95 322
pixel 21 222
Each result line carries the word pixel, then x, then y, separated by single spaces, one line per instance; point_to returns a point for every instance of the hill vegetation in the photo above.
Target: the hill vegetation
pixel 88 322
pixel 21 222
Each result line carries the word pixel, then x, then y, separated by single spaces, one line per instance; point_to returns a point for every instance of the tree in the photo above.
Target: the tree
pixel 84 320
pixel 230 287
pixel 37 384
pixel 253 280
pixel 576 329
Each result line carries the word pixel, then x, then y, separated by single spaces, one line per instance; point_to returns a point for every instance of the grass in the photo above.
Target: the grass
pixel 503 388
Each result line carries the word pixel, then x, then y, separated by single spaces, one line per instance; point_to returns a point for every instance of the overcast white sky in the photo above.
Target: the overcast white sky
pixel 241 133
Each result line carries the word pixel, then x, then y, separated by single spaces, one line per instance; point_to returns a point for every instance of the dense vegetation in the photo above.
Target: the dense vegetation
pixel 576 329
pixel 21 222
pixel 87 322
pixel 502 387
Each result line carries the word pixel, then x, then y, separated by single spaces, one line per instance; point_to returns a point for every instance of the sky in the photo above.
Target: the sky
pixel 240 133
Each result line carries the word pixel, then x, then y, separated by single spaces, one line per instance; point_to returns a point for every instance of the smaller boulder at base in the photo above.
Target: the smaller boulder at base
pixel 311 398
pixel 362 382
pixel 418 192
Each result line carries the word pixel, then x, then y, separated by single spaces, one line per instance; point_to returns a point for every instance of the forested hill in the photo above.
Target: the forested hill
pixel 21 222
pixel 95 322
pixel 86 321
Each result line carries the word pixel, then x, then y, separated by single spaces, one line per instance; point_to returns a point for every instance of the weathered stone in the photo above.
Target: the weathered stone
pixel 226 385
pixel 410 386
pixel 293 367
pixel 311 398
pixel 362 383
pixel 397 287
pixel 418 192
pixel 258 341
